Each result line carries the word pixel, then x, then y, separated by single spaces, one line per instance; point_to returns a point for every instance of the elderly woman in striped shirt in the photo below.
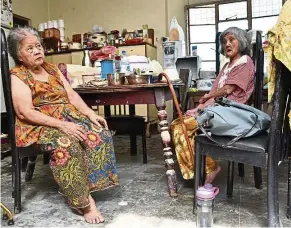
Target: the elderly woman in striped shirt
pixel 235 80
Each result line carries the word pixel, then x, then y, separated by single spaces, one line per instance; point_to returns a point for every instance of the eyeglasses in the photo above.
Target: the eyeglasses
pixel 30 49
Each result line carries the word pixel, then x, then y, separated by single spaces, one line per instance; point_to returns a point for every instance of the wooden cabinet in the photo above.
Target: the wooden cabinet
pixel 68 57
pixel 143 49
pixel 59 58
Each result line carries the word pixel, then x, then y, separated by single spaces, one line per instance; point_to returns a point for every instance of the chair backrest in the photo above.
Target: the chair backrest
pixel 280 128
pixel 186 76
pixel 6 82
pixel 217 53
pixel 258 58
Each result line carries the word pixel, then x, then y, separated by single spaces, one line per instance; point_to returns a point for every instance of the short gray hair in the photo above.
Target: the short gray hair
pixel 15 36
pixel 242 37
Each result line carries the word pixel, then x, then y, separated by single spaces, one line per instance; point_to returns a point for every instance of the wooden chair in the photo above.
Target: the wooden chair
pixel 127 124
pixel 264 150
pixel 186 78
pixel 29 153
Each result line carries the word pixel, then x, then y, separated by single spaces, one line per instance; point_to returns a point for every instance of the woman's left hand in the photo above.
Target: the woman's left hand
pixel 192 112
pixel 98 120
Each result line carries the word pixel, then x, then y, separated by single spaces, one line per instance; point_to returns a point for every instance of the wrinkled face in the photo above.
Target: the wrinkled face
pixel 230 45
pixel 31 52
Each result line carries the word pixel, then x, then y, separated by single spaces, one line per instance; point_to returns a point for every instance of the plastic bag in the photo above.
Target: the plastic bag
pixel 175 25
pixel 97 29
pixel 156 67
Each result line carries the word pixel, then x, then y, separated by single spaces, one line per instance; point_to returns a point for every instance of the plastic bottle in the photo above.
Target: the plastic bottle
pixel 116 64
pixel 194 50
pixel 124 64
pixel 86 59
pixel 205 196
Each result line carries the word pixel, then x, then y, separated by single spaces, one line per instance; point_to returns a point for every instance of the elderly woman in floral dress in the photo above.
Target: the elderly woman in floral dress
pixel 52 117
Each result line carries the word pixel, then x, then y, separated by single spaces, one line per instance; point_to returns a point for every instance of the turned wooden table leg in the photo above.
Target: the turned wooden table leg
pixel 166 141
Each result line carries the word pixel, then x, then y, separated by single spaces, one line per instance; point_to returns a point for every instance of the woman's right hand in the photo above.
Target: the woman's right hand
pixel 74 130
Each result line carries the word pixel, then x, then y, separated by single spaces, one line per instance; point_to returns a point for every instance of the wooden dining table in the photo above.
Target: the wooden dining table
pixel 156 93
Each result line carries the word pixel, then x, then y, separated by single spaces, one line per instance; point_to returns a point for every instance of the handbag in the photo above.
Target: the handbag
pixel 229 118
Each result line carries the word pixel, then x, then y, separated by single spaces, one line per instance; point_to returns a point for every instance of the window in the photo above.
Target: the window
pixel 265 14
pixel 202 34
pixel 203 23
pixel 202 15
pixel 262 8
pixel 243 24
pixel 230 11
pixel 264 23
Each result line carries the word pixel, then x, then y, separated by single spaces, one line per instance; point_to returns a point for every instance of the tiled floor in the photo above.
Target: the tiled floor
pixel 143 188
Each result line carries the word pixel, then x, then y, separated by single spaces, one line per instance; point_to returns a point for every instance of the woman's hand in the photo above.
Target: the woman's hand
pixel 194 112
pixel 205 98
pixel 74 130
pixel 98 120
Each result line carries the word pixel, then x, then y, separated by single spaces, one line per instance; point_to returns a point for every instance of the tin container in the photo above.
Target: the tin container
pixel 138 79
pixel 115 79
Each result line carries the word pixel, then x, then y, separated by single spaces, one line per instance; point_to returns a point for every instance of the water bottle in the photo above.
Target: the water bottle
pixel 124 64
pixel 205 196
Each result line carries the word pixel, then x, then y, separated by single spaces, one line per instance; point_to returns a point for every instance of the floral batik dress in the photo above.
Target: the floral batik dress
pixel 79 167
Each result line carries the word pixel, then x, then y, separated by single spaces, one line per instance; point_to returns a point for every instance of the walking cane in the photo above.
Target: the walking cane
pixel 179 113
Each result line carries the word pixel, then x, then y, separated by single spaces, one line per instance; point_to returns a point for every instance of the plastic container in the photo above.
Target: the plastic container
pixel 194 50
pixel 55 24
pixel 124 64
pixel 61 23
pixel 106 68
pixel 205 196
pixel 45 25
pixel 50 24
pixel 41 27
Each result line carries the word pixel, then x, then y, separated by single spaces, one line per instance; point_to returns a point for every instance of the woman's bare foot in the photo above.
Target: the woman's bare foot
pixel 211 176
pixel 91 213
pixel 78 211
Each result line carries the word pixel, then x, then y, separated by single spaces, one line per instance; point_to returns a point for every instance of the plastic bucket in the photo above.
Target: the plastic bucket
pixel 106 68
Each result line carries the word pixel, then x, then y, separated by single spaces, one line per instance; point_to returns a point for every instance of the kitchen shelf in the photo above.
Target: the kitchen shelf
pixel 136 44
pixel 93 49
pixel 70 51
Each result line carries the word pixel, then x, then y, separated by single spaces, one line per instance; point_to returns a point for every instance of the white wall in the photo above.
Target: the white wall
pixel 36 10
pixel 81 16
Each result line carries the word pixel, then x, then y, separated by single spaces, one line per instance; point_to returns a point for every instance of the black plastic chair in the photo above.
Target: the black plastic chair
pixel 255 99
pixel 264 150
pixel 29 153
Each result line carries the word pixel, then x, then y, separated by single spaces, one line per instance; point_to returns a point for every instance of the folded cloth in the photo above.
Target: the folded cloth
pixel 102 54
pixel 186 164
